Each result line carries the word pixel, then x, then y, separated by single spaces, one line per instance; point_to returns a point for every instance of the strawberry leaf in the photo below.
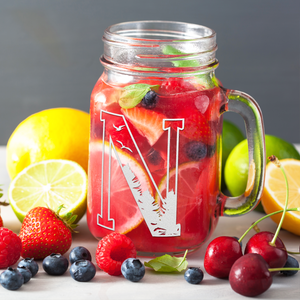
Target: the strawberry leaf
pixel 167 263
pixel 133 94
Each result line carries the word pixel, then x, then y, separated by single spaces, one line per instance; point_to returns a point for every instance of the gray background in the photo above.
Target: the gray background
pixel 49 52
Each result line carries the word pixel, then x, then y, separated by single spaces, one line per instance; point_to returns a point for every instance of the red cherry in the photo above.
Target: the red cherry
pixel 249 275
pixel 220 255
pixel 275 256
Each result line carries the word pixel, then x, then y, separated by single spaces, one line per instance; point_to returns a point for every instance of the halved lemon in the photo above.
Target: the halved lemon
pixel 50 183
pixel 274 193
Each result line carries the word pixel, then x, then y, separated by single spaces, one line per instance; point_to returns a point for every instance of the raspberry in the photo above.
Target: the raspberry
pixel 112 250
pixel 175 86
pixel 10 248
pixel 1 222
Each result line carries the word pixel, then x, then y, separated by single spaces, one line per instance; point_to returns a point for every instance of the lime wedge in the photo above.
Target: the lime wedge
pixel 49 183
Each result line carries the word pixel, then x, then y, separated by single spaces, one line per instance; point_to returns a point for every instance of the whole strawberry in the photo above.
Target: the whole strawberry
pixel 10 248
pixel 43 232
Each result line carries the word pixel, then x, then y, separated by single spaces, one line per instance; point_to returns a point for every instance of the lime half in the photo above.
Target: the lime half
pixel 50 183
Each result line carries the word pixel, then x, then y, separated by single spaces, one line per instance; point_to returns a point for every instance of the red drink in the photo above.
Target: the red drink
pixel 193 146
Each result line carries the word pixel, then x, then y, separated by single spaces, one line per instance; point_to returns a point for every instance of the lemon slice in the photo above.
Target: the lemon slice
pixel 274 194
pixel 50 183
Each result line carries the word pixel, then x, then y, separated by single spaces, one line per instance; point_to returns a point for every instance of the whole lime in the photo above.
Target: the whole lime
pixel 236 167
pixel 231 136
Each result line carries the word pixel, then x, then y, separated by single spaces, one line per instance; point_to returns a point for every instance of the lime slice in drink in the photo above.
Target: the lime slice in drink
pixel 50 183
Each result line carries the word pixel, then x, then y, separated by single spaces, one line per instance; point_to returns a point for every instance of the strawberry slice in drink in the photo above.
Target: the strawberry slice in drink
pixel 147 122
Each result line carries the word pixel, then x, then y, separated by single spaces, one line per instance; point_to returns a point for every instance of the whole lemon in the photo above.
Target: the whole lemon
pixel 236 167
pixel 56 133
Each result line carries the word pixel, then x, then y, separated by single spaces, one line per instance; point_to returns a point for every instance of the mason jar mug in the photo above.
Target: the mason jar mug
pixel 155 140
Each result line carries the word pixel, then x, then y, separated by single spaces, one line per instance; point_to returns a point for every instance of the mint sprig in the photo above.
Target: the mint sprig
pixel 133 94
pixel 169 50
pixel 168 263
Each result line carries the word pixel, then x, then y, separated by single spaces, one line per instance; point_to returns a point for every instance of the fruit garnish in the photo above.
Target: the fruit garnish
pixel 11 279
pixel 290 263
pixel 31 264
pixel 237 164
pixel 274 193
pixel 50 183
pixel 231 136
pixel 225 250
pixel 167 263
pixel 55 264
pixel 150 100
pixel 44 232
pixel 112 250
pixel 190 177
pixel 79 253
pixel 56 133
pixel 249 275
pixel 175 86
pixel 83 270
pixel 132 269
pixel 220 255
pixel 195 150
pixel 27 275
pixel 121 199
pixel 267 244
pixel 147 122
pixel 133 94
pixel 193 275
pixel 10 248
pixel 274 254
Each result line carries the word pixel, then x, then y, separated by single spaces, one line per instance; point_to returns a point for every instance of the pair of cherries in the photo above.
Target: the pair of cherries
pixel 265 254
pixel 248 274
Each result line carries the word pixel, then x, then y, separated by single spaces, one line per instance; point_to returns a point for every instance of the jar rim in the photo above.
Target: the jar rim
pixel 135 32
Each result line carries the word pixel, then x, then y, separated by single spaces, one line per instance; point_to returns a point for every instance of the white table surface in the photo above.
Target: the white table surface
pixel 153 285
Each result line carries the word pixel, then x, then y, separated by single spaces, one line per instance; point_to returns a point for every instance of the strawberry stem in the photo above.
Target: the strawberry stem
pixel 275 160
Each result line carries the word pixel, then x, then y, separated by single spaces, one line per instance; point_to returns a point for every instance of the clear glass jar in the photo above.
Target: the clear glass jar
pixel 155 144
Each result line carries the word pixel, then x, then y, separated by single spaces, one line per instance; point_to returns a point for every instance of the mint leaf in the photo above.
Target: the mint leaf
pixel 167 263
pixel 133 94
pixel 169 50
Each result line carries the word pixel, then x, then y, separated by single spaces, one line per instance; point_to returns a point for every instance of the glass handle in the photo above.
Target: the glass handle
pixel 247 107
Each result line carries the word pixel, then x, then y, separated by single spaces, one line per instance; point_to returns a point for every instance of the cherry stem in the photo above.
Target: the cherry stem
pixel 291 252
pixel 283 269
pixel 274 159
pixel 266 216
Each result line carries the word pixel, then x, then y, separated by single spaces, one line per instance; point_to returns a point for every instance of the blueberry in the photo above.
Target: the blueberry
pixel 195 150
pixel 79 253
pixel 149 100
pixel 83 270
pixel 26 273
pixel 290 263
pixel 11 279
pixel 55 264
pixel 31 264
pixel 193 275
pixel 154 157
pixel 132 269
